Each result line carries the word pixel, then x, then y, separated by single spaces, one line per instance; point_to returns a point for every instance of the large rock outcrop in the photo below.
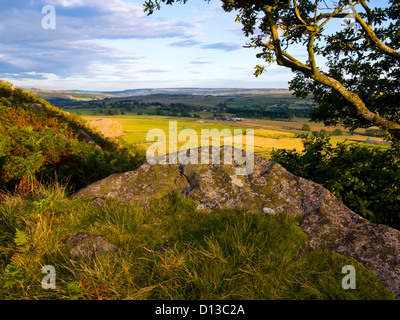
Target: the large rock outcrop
pixel 269 189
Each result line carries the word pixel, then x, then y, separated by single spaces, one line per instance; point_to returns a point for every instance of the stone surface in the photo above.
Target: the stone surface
pixel 107 127
pixel 268 210
pixel 97 202
pixel 327 222
pixel 86 245
pixel 145 183
pixel 37 106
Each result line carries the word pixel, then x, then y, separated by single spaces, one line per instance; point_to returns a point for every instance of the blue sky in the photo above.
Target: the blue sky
pixel 113 45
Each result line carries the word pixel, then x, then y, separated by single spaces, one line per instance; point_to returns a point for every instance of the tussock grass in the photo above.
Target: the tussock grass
pixel 230 254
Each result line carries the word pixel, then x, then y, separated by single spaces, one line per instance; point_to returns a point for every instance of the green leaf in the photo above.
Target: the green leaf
pixel 258 70
pixel 21 238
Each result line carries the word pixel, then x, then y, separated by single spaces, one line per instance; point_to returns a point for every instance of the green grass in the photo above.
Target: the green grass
pixel 229 254
pixel 269 100
pixel 137 127
pixel 268 134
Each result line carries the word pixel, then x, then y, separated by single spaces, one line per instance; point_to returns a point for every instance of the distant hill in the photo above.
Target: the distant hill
pixel 270 103
pixel 61 97
pixel 196 91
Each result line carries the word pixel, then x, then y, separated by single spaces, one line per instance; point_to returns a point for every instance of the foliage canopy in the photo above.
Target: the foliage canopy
pixel 365 179
pixel 360 87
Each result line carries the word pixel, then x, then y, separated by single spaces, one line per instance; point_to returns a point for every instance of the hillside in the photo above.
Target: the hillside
pixel 62 97
pixel 258 103
pixel 39 142
pixel 197 91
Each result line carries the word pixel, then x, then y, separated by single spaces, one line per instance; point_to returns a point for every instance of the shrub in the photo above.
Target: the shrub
pixel 337 132
pixel 324 133
pixel 306 127
pixel 40 142
pixel 366 179
pixel 375 133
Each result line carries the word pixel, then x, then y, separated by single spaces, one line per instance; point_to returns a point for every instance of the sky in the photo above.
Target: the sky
pixel 112 45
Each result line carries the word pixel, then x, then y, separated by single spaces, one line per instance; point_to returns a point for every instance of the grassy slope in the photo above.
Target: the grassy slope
pixel 40 141
pixel 72 95
pixel 223 255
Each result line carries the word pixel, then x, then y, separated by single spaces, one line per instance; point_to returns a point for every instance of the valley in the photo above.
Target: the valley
pixel 276 116
pixel 268 134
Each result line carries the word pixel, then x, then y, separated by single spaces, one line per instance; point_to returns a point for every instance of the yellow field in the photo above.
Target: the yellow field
pixel 268 134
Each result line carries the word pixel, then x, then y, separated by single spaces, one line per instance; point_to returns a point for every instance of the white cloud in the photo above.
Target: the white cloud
pixel 114 45
pixel 88 19
pixel 74 47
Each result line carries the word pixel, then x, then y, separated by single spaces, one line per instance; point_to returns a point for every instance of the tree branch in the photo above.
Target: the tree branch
pixel 368 11
pixel 335 14
pixel 282 58
pixel 356 101
pixel 297 12
pixel 311 55
pixel 372 36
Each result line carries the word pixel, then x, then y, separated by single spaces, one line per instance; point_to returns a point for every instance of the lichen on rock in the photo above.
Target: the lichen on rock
pixel 86 245
pixel 146 183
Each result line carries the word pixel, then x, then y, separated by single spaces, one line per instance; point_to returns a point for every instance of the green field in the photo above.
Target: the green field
pixel 207 103
pixel 233 101
pixel 268 134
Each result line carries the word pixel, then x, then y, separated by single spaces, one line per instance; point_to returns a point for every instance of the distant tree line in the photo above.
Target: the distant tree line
pixel 276 113
pixel 113 106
